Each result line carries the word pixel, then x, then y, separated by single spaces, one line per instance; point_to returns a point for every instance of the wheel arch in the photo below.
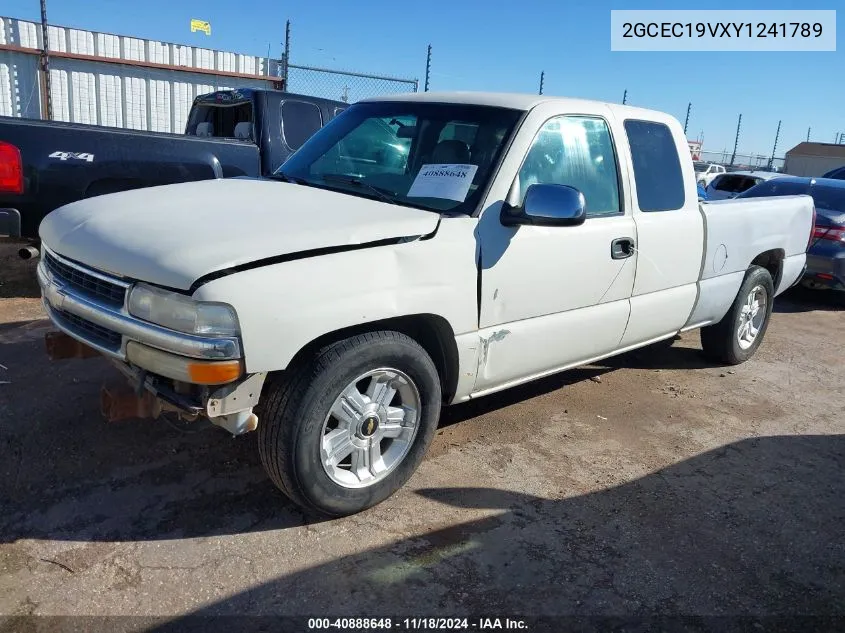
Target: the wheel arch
pixel 771 260
pixel 433 332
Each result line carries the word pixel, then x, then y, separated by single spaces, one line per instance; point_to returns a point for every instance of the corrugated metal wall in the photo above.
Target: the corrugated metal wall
pixel 134 96
pixel 804 165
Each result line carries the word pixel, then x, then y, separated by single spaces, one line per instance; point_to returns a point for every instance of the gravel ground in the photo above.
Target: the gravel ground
pixel 651 483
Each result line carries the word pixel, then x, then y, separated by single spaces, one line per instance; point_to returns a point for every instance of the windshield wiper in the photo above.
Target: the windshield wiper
pixel 383 194
pixel 280 175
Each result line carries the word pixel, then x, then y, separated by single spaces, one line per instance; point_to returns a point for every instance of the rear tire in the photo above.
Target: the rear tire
pixel 344 429
pixel 735 338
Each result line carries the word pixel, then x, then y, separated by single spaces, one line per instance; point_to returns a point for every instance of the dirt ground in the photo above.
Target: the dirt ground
pixel 652 483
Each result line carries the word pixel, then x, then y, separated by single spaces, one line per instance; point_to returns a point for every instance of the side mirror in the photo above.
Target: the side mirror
pixel 547 205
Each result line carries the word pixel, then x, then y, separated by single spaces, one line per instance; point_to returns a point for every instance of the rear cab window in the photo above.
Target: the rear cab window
pixel 300 120
pixel 216 116
pixel 657 167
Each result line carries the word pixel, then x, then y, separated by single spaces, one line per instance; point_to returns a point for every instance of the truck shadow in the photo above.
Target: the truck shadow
pixel 661 355
pixel 753 527
pixel 65 474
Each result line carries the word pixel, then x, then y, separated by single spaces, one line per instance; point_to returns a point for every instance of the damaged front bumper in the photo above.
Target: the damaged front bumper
pixel 86 307
pixel 229 406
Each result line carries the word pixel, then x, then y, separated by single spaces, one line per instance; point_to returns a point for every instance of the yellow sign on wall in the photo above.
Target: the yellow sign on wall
pixel 201 25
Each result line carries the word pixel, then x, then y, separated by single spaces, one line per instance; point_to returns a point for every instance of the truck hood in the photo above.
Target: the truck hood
pixel 175 234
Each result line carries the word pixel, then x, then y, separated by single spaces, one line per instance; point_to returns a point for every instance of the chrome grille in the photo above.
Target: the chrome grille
pixel 86 283
pixel 91 331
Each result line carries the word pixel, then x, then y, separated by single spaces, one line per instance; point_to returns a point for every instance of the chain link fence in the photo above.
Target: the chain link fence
pixel 342 85
pixel 743 161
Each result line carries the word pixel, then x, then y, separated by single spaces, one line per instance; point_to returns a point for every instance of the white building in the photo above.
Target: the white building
pixel 814 159
pixel 116 80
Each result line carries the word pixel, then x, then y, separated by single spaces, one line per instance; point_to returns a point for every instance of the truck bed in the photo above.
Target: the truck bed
pixel 737 233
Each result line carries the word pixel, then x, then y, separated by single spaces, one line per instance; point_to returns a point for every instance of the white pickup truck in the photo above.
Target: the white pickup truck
pixel 418 251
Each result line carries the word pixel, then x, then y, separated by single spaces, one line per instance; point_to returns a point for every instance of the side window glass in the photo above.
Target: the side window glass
pixel 726 183
pixel 657 168
pixel 575 151
pixel 300 120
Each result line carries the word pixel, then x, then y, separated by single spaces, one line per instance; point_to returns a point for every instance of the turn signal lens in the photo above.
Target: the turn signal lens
pixel 214 373
pixel 181 368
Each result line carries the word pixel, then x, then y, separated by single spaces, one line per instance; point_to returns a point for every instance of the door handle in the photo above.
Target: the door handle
pixel 622 247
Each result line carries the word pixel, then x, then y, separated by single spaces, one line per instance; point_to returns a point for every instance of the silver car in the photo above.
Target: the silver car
pixel 734 183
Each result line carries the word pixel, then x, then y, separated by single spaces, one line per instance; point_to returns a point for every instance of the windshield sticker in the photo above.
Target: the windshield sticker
pixel 448 182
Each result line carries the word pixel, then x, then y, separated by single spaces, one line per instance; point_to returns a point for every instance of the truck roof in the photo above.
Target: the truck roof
pixel 247 93
pixel 516 101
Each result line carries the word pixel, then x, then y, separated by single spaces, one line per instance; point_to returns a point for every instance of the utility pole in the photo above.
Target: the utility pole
pixel 625 97
pixel 286 61
pixel 542 77
pixel 686 121
pixel 45 61
pixel 427 68
pixel 808 134
pixel 736 140
pixel 774 149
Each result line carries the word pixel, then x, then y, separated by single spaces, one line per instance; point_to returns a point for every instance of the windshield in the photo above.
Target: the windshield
pixel 434 156
pixel 700 167
pixel 831 198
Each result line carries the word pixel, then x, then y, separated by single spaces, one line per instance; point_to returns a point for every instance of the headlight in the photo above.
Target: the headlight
pixel 181 313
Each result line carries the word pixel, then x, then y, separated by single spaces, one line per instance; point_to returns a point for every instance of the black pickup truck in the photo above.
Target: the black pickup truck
pixel 246 132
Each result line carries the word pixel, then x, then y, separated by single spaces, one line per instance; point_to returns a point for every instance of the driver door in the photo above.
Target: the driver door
pixel 553 297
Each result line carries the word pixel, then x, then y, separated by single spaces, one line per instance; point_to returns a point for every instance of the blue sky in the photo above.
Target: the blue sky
pixel 503 45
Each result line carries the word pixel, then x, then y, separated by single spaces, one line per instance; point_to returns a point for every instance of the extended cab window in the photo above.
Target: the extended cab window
pixel 575 151
pixel 300 120
pixel 657 168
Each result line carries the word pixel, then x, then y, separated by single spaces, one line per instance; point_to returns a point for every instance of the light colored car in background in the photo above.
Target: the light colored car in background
pixel 705 172
pixel 336 307
pixel 734 183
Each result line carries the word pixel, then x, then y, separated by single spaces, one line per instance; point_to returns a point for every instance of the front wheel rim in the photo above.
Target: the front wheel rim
pixel 370 428
pixel 751 317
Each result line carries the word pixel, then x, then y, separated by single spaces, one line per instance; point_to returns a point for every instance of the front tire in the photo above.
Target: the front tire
pixel 735 338
pixel 344 429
